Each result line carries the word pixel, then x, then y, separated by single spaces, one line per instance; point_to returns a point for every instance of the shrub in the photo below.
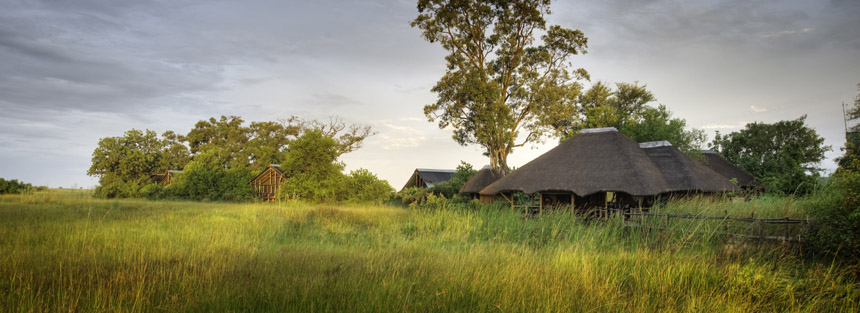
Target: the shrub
pixel 364 186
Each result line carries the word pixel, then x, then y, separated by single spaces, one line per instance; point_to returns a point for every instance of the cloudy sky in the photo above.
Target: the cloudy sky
pixel 76 71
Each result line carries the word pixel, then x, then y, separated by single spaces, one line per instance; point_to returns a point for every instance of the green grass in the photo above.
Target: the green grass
pixel 64 251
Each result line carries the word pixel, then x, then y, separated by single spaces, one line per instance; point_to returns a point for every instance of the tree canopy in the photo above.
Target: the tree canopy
pixel 784 156
pixel 501 90
pixel 626 108
pixel 218 156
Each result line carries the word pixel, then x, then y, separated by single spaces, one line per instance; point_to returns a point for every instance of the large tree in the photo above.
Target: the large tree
pixel 626 108
pixel 784 156
pixel 500 90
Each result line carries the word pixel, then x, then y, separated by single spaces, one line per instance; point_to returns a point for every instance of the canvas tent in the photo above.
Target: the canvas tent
pixel 683 173
pixel 588 167
pixel 728 170
pixel 427 178
pixel 486 176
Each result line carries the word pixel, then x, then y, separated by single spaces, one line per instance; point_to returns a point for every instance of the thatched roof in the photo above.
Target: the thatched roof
pixel 427 178
pixel 727 169
pixel 682 172
pixel 595 160
pixel 483 178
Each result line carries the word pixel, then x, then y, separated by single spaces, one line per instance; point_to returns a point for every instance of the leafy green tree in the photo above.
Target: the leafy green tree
pixel 626 108
pixel 123 164
pixel 227 135
pixel 13 186
pixel 364 187
pixel 269 141
pixel 174 154
pixel 450 188
pixel 499 86
pixel 312 168
pixel 654 124
pixel 204 178
pixel 784 156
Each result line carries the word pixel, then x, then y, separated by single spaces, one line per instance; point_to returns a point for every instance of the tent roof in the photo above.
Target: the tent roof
pixel 430 176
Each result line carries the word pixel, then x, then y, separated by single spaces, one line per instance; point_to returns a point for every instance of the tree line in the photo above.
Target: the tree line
pixel 218 157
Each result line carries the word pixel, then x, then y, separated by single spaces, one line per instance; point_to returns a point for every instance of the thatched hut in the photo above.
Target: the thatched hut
pixel 427 178
pixel 597 167
pixel 165 178
pixel 267 183
pixel 486 176
pixel 728 170
pixel 683 173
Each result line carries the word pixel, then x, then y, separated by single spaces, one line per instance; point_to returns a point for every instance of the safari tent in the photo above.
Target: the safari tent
pixel 683 173
pixel 728 170
pixel 267 183
pixel 427 178
pixel 486 176
pixel 597 167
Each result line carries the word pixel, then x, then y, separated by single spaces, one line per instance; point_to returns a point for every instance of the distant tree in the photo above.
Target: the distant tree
pixel 654 124
pixel 784 156
pixel 498 85
pixel 364 186
pixel 175 153
pixel 13 186
pixel 450 188
pixel 268 142
pixel 312 169
pixel 225 134
pixel 123 164
pixel 626 108
pixel 204 178
pixel 349 137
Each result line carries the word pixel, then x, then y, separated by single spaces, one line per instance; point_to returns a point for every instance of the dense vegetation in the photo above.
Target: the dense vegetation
pixel 66 251
pixel 218 158
pixel 783 156
pixel 14 186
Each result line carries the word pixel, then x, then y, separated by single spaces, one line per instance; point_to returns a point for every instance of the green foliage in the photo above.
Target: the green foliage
pixel 782 156
pixel 451 188
pixel 626 108
pixel 205 179
pixel 314 173
pixel 408 196
pixel 13 186
pixel 499 85
pixel 362 186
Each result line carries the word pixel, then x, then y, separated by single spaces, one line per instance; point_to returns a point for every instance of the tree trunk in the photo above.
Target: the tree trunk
pixel 499 159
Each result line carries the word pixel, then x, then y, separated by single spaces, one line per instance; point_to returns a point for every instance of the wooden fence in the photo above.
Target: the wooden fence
pixel 782 229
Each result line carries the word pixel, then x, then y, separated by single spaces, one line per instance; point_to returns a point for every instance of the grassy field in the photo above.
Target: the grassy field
pixel 65 251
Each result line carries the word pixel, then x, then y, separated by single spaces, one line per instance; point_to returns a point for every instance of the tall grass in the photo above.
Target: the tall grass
pixel 67 252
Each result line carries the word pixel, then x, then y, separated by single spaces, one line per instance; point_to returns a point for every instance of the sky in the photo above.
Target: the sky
pixel 73 72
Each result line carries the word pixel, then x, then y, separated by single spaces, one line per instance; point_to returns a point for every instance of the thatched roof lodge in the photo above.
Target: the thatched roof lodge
pixel 592 168
pixel 683 173
pixel 267 183
pixel 486 176
pixel 427 178
pixel 728 170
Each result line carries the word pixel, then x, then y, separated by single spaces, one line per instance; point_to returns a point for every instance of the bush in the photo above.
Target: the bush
pixel 364 186
pixel 13 186
pixel 837 211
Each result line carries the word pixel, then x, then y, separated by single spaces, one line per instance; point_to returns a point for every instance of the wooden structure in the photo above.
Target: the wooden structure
pixel 267 183
pixel 165 178
pixel 427 178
